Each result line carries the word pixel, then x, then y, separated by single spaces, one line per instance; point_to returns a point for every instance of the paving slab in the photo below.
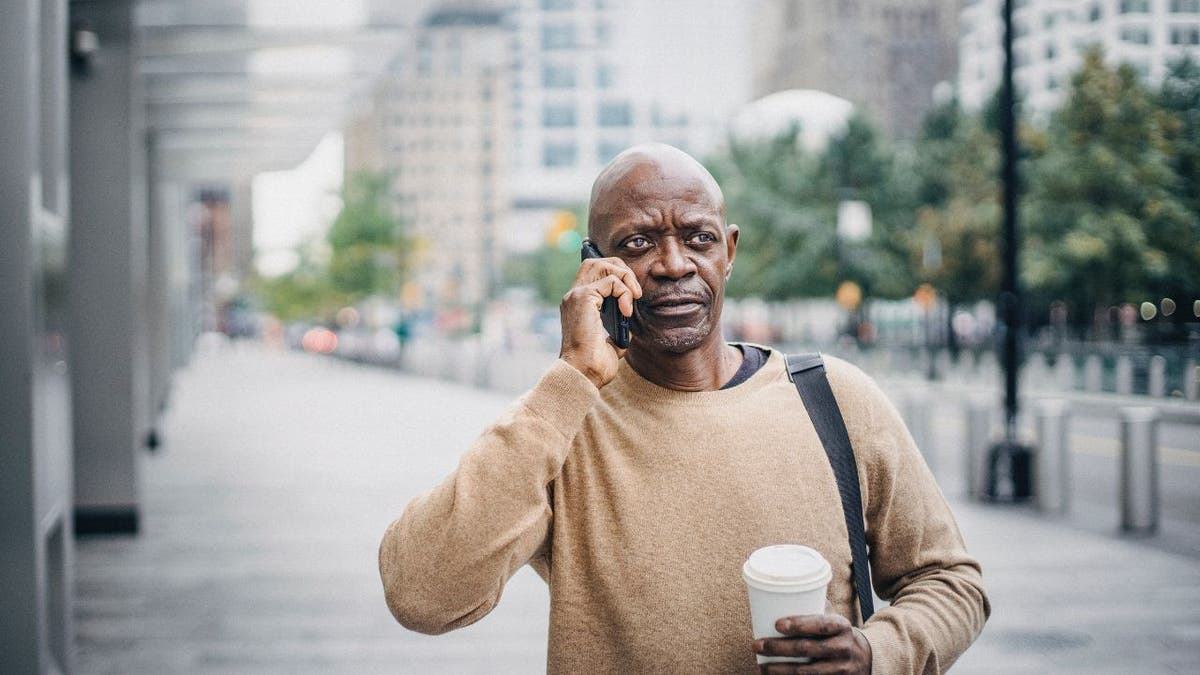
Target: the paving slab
pixel 279 472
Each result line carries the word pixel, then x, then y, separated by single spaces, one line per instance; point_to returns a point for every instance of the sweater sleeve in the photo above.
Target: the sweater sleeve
pixel 918 559
pixel 445 561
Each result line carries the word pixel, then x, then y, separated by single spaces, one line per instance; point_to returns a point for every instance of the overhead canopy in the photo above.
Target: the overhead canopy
pixel 235 87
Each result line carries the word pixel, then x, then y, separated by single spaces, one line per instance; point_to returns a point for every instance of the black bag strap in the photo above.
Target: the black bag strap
pixel 807 372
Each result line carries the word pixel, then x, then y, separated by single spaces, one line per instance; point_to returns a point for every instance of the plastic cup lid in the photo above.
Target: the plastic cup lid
pixel 787 567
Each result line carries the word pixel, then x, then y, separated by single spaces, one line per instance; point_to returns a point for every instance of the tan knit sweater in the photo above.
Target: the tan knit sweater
pixel 639 504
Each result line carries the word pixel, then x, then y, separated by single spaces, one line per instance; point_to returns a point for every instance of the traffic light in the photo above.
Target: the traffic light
pixel 561 233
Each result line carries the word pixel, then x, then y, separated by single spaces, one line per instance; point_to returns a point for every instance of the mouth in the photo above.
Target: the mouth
pixel 675 306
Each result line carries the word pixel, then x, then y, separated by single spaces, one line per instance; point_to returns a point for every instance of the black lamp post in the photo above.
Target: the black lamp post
pixel 1009 453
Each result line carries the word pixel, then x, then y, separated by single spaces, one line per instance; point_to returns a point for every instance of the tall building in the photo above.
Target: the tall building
pixel 593 77
pixel 439 122
pixel 885 56
pixel 497 115
pixel 1050 37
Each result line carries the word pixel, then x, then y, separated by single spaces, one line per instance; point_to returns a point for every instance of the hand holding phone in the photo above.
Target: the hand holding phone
pixel 595 327
pixel 616 323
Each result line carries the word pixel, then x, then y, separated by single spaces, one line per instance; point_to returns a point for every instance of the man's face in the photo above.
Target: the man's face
pixel 667 225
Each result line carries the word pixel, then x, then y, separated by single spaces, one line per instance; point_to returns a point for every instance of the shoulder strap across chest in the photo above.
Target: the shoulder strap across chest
pixel 807 372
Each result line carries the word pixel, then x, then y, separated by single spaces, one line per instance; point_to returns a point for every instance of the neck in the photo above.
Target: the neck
pixel 706 368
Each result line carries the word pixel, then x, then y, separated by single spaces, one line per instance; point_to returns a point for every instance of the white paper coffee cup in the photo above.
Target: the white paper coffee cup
pixel 784 580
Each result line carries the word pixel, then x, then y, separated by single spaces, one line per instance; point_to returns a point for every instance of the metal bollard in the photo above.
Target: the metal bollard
pixel 1157 385
pixel 1124 375
pixel 1191 380
pixel 1064 372
pixel 1052 468
pixel 979 439
pixel 1093 374
pixel 1036 371
pixel 916 415
pixel 1139 469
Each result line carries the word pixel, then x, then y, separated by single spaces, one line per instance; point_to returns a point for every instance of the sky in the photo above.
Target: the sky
pixel 294 207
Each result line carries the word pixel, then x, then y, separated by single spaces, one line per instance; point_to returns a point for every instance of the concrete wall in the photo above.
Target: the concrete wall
pixel 36 555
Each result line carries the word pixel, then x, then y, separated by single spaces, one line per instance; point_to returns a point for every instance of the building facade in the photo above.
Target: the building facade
pixel 884 56
pixel 593 77
pixel 498 115
pixel 1050 37
pixel 439 123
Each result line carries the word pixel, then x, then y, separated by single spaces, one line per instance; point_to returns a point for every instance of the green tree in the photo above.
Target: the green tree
pixel 1180 98
pixel 956 246
pixel 1103 224
pixel 303 294
pixel 368 241
pixel 551 269
pixel 785 200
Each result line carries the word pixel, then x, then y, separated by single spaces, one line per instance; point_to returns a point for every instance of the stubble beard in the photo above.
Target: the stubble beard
pixel 681 339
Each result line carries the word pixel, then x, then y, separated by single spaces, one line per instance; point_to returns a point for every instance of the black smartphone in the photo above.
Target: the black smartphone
pixel 616 323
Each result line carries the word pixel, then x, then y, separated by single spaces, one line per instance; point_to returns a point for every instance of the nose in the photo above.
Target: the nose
pixel 672 261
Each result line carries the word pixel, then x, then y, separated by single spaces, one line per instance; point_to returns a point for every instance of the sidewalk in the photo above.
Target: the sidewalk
pixel 279 471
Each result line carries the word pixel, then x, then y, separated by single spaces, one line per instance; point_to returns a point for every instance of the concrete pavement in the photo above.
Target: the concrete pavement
pixel 264 509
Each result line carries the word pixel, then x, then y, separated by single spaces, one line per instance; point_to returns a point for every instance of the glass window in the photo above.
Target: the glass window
pixel 1185 6
pixel 558 76
pixel 603 33
pixel 1135 6
pixel 607 149
pixel 1095 13
pixel 551 5
pixel 614 115
pixel 1185 35
pixel 1138 35
pixel 605 75
pixel 558 115
pixel 558 154
pixel 558 36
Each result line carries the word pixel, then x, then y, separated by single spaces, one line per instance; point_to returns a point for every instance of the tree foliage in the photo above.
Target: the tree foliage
pixel 1180 98
pixel 956 246
pixel 303 294
pixel 367 240
pixel 785 200
pixel 1109 211
pixel 1103 218
pixel 551 269
pixel 367 256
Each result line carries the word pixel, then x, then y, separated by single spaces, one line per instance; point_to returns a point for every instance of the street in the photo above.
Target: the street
pixel 279 472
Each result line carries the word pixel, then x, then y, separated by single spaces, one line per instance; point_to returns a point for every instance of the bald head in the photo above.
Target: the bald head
pixel 645 174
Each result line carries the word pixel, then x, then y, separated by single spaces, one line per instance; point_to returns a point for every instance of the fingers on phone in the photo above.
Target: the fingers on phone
pixel 594 269
pixel 614 286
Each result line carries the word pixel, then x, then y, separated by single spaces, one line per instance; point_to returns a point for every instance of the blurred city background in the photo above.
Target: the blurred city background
pixel 268 266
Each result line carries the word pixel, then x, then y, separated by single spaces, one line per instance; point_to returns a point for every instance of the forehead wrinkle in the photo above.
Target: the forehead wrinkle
pixel 639 174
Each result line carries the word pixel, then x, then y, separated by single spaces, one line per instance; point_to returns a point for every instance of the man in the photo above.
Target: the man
pixel 636 482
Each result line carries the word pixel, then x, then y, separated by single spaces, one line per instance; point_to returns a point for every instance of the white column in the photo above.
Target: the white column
pixel 36 555
pixel 108 273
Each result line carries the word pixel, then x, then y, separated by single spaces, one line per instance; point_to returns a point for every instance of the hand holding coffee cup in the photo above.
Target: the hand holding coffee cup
pixel 787 586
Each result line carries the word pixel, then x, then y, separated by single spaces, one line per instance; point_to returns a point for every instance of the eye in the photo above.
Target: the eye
pixel 703 238
pixel 638 243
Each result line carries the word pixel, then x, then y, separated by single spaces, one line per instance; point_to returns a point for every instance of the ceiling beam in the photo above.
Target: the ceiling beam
pixel 202 116
pixel 191 41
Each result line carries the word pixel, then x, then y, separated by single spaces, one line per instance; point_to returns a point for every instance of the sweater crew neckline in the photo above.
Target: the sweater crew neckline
pixel 640 388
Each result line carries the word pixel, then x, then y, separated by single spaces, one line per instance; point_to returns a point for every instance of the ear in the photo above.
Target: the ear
pixel 731 240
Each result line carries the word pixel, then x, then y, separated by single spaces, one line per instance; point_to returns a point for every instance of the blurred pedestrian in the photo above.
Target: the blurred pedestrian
pixel 637 481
